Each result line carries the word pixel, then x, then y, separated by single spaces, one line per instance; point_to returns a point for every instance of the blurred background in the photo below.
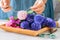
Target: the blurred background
pixel 56 5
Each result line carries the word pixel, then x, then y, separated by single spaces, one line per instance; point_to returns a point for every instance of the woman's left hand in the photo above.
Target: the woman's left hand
pixel 38 6
pixel 5 3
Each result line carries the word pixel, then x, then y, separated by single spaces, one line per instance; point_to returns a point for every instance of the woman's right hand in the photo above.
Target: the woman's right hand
pixel 39 6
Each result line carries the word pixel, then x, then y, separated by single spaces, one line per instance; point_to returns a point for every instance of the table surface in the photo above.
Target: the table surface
pixel 13 36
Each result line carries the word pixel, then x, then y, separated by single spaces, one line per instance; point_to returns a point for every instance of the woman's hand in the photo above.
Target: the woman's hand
pixel 44 1
pixel 5 5
pixel 39 6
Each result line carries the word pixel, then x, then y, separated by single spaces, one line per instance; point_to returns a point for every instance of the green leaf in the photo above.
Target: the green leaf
pixel 15 18
pixel 52 36
pixel 41 35
pixel 30 11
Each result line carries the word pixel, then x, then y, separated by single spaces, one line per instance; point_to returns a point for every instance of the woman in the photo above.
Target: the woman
pixel 24 5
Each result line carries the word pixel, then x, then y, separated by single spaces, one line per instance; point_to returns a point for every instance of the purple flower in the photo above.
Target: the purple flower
pixel 25 25
pixel 44 23
pixel 30 18
pixel 39 19
pixel 35 26
pixel 51 23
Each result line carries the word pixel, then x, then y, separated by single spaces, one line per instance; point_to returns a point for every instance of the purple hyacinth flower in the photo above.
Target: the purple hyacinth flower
pixel 35 26
pixel 39 19
pixel 51 23
pixel 25 25
pixel 44 23
pixel 30 18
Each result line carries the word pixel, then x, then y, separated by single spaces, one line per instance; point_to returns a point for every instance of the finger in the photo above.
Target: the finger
pixel 34 6
pixel 40 12
pixel 1 3
pixel 38 8
pixel 38 4
pixel 41 8
pixel 6 2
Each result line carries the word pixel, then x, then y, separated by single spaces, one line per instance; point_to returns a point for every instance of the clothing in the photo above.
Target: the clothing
pixel 18 5
pixel 49 10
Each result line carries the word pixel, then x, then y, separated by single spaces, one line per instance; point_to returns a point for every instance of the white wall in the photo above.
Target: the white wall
pixel 56 5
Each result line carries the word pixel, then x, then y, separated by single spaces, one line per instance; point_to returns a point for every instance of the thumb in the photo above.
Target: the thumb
pixel 37 3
